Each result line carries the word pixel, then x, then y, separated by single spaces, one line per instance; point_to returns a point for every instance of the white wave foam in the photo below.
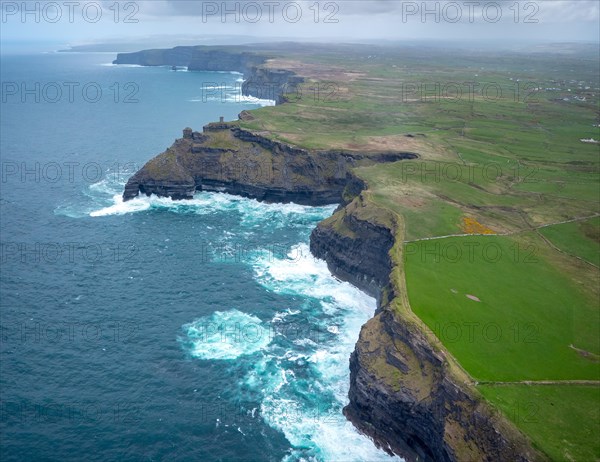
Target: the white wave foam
pixel 308 276
pixel 253 212
pixel 226 335
pixel 121 208
pixel 228 72
pixel 120 65
pixel 310 415
pixel 239 98
pixel 220 87
pixel 233 97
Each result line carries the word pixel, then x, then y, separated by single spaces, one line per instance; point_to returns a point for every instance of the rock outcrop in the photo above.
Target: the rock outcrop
pixel 226 158
pixel 355 250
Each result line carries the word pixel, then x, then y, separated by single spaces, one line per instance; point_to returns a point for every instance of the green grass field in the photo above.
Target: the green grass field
pixel 581 239
pixel 529 316
pixel 562 420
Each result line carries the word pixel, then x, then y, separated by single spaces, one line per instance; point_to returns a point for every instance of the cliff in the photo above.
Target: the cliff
pixel 260 81
pixel 356 248
pixel 406 392
pixel 226 158
pixel 197 58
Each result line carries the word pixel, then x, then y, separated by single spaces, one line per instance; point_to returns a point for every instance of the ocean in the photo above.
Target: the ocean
pixel 154 329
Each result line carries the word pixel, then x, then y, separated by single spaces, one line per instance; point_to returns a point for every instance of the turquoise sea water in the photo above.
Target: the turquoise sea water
pixel 156 330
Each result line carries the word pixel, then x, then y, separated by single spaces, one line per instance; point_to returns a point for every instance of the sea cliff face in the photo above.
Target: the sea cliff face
pixel 196 58
pixel 404 393
pixel 260 81
pixel 228 159
pixel 355 250
pixel 403 396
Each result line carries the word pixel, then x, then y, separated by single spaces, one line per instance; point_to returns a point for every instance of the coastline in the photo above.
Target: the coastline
pixel 406 392
pixel 260 81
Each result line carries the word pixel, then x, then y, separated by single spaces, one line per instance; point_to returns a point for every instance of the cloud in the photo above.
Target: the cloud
pixel 559 11
pixel 550 10
pixel 348 20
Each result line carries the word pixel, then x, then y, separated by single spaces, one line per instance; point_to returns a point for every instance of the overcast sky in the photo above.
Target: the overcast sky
pixel 74 22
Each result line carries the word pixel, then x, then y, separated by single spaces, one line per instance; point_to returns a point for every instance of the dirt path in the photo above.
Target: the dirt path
pixel 547 241
pixel 591 383
pixel 532 228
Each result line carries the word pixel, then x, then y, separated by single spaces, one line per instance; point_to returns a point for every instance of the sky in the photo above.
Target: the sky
pixel 171 22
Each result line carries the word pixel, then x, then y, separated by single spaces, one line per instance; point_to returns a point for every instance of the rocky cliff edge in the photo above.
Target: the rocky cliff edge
pixel 225 158
pixel 406 392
